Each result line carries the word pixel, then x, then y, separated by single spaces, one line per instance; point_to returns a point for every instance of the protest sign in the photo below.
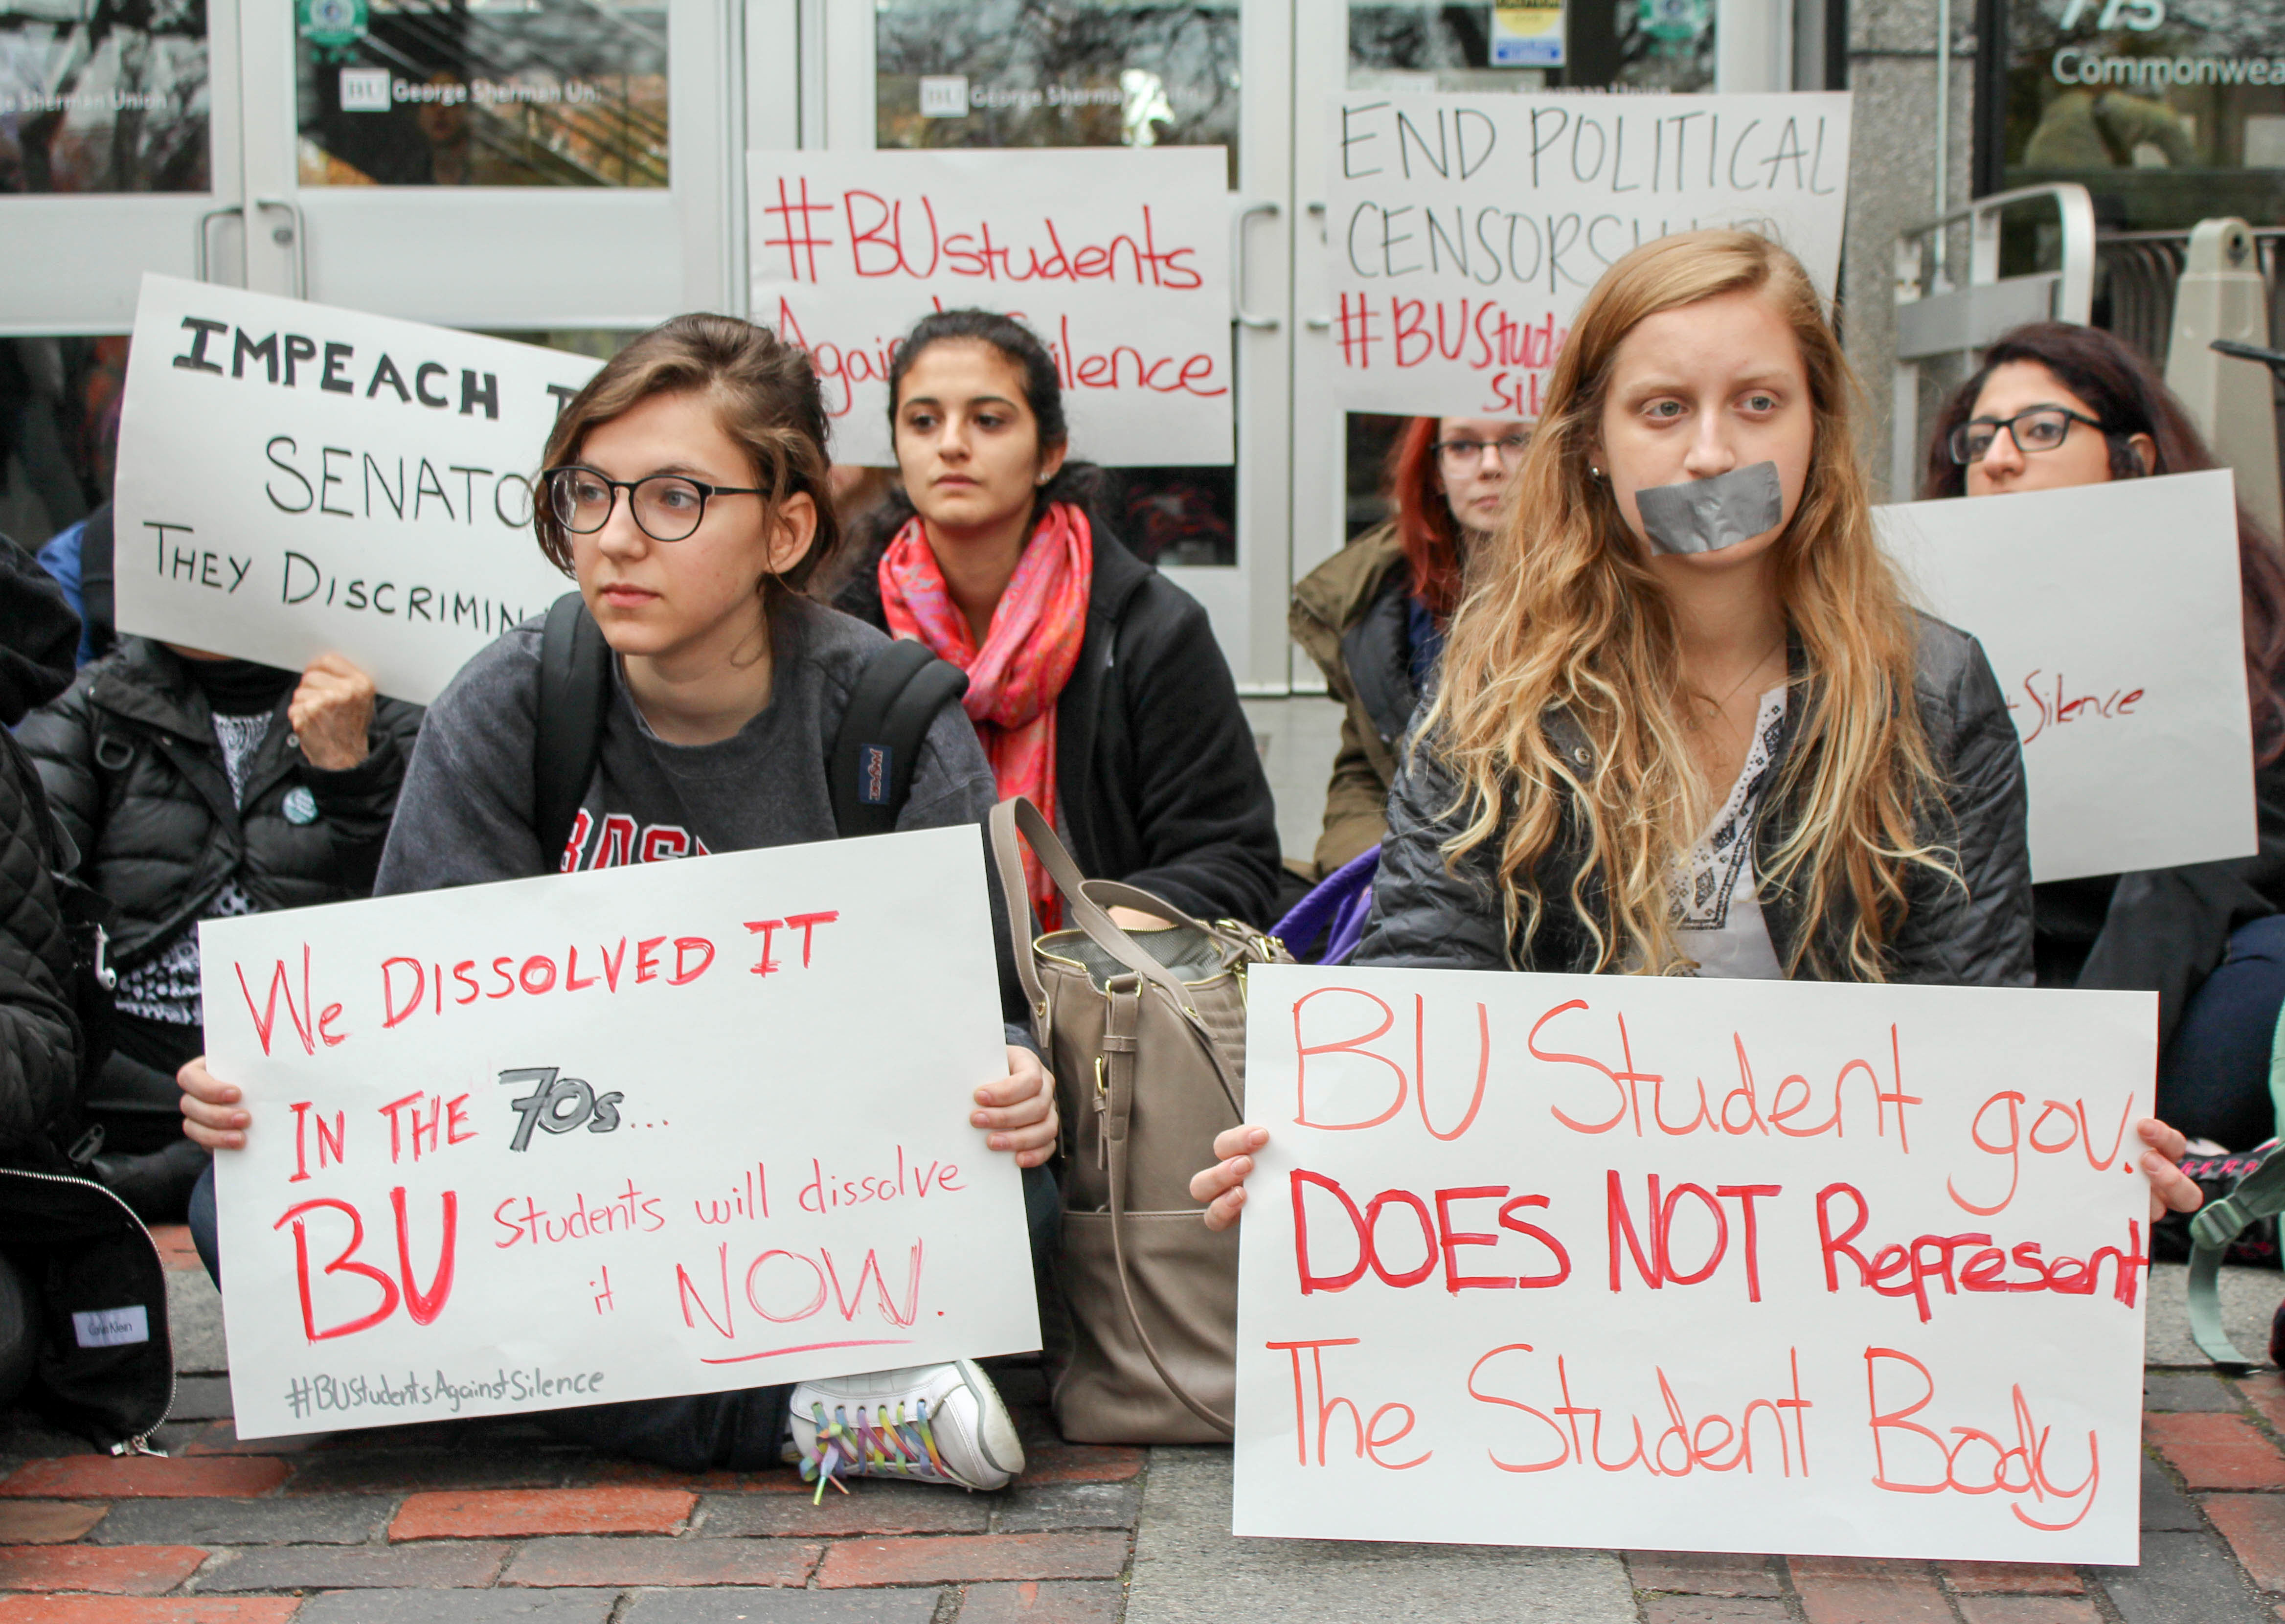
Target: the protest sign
pixel 2112 617
pixel 1119 258
pixel 1464 229
pixel 295 480
pixel 613 1136
pixel 1681 1264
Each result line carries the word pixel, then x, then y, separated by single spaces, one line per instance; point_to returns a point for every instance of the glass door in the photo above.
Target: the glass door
pixel 119 153
pixel 1127 72
pixel 505 164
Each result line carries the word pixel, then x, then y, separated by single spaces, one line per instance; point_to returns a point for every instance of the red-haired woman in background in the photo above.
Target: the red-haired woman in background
pixel 2054 406
pixel 1373 615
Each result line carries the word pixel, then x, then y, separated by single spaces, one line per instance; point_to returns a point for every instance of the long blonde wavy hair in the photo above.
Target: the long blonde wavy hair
pixel 1564 613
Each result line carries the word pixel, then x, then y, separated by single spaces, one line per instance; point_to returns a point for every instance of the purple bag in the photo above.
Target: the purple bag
pixel 1325 926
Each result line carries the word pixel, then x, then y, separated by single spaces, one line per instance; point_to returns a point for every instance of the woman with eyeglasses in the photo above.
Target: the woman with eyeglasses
pixel 685 488
pixel 1095 683
pixel 1373 615
pixel 2055 406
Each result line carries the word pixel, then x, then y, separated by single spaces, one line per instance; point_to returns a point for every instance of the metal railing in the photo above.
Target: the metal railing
pixel 1952 299
pixel 2136 273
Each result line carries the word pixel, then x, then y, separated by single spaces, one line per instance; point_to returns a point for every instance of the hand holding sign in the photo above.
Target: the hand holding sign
pixel 331 711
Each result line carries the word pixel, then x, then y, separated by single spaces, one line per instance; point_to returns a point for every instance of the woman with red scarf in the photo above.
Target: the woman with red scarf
pixel 1093 682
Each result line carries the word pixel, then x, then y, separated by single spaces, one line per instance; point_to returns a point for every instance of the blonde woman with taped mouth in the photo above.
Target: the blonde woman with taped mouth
pixel 1687 724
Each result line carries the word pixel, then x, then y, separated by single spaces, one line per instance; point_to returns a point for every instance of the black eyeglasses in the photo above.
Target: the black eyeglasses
pixel 666 507
pixel 1459 454
pixel 2036 429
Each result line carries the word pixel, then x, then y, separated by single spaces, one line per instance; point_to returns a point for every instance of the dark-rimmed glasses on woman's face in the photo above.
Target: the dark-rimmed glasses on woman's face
pixel 666 507
pixel 1466 454
pixel 2034 429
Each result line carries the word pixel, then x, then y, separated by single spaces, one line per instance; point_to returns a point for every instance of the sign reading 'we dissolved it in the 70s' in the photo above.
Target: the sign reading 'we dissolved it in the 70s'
pixel 1464 231
pixel 613 1135
pixel 1118 259
pixel 296 479
pixel 1680 1264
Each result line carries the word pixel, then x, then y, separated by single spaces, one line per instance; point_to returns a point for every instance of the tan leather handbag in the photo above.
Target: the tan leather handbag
pixel 1145 1033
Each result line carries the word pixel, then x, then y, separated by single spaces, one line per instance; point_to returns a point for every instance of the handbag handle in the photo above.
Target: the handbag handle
pixel 1016 813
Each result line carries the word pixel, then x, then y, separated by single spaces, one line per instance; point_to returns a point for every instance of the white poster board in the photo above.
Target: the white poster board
pixel 2113 618
pixel 296 479
pixel 1117 257
pixel 619 1134
pixel 1464 229
pixel 1530 1153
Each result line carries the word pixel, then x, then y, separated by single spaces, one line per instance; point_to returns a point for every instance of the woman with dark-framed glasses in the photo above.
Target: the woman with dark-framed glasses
pixel 2056 405
pixel 685 490
pixel 1373 615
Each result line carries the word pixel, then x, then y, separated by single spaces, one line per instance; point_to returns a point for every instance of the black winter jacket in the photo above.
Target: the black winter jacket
pixel 134 774
pixel 1976 934
pixel 2163 929
pixel 1157 780
pixel 39 1037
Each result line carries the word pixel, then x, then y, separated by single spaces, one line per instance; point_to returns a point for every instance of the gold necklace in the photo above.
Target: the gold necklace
pixel 1717 707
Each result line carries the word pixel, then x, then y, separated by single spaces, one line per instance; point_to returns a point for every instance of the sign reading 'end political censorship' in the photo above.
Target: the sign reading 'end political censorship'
pixel 1118 259
pixel 1464 229
pixel 1623 1261
pixel 2123 664
pixel 295 480
pixel 613 1135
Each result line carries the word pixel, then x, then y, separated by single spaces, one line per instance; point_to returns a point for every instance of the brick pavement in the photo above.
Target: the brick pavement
pixel 489 1519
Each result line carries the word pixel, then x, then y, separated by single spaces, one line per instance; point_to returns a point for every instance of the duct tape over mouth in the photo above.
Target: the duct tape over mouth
pixel 1706 515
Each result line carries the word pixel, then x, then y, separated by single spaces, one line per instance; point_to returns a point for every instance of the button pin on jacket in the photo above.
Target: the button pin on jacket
pixel 300 806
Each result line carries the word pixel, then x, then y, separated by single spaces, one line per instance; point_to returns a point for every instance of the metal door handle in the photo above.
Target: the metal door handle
pixel 1238 312
pixel 1317 324
pixel 198 255
pixel 297 233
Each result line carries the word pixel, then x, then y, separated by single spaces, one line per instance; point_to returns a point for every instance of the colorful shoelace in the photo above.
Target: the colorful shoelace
pixel 881 1448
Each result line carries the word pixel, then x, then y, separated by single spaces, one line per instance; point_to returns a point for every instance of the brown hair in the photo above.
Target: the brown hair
pixel 1424 526
pixel 764 395
pixel 1564 612
pixel 2119 387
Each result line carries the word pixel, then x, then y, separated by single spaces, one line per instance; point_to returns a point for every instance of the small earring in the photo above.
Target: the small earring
pixel 1593 472
pixel 1043 479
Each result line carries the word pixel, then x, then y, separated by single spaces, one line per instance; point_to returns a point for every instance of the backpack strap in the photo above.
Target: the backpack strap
pixel 878 745
pixel 2259 1194
pixel 575 684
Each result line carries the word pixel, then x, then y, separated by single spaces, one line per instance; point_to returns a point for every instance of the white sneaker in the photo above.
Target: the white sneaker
pixel 928 1423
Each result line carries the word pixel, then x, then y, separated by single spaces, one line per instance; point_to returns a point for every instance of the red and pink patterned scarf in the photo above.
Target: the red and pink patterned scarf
pixel 1029 652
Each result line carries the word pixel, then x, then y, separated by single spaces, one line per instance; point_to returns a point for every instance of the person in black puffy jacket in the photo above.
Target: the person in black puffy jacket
pixel 39 1035
pixel 196 788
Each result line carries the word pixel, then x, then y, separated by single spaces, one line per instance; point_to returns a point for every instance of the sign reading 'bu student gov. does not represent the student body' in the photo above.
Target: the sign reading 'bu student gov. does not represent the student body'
pixel 613 1135
pixel 295 480
pixel 1464 231
pixel 1680 1264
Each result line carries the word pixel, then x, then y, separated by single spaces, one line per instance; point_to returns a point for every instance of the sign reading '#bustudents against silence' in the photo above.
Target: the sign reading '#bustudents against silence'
pixel 621 1135
pixel 1117 258
pixel 1643 1261
pixel 2113 619
pixel 1464 231
pixel 295 480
